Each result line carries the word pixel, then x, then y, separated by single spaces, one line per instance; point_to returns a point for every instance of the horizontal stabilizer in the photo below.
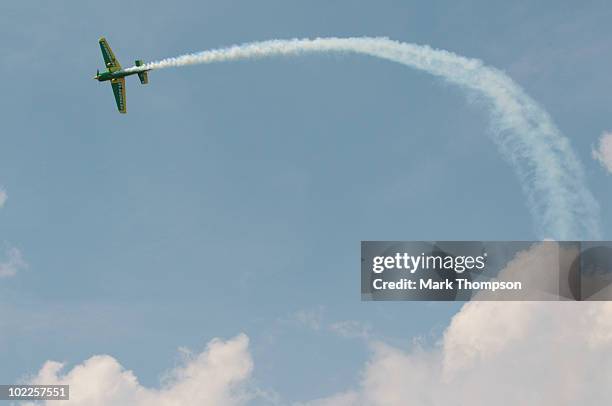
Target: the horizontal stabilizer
pixel 143 76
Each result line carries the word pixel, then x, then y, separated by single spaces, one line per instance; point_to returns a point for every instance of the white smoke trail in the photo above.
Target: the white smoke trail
pixel 551 176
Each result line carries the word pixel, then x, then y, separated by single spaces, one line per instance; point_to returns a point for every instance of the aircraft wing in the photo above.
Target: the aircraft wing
pixel 112 64
pixel 119 91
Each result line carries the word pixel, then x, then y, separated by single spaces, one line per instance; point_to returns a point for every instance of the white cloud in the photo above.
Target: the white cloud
pixel 310 318
pixel 351 329
pixel 341 399
pixel 531 268
pixel 216 376
pixel 13 261
pixel 603 153
pixel 12 264
pixel 501 353
pixel 314 319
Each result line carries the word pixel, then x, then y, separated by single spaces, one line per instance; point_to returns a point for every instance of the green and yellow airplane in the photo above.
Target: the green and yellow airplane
pixel 116 75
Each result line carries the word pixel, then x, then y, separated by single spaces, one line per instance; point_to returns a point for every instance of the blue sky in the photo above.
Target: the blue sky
pixel 232 198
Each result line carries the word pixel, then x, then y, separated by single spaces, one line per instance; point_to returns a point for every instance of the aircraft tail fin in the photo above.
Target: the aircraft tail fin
pixel 143 76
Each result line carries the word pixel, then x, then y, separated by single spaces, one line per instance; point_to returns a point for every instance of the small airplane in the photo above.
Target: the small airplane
pixel 116 75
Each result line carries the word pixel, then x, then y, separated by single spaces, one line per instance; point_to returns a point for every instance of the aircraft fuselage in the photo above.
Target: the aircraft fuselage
pixel 104 76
